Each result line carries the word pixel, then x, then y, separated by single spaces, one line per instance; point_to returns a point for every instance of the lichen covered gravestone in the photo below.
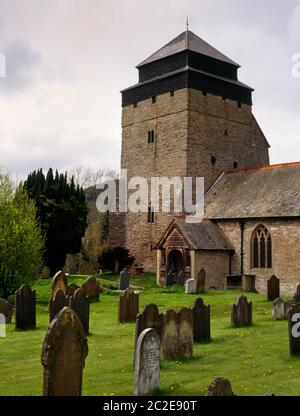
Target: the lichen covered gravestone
pixel 241 312
pixel 6 310
pixel 201 321
pixel 81 305
pixel 190 286
pixel 128 307
pixel 59 281
pixel 57 303
pixel 63 355
pixel 278 312
pixel 25 308
pixel 92 288
pixel 124 279
pixel 147 363
pixel 273 288
pixel 200 281
pixel 220 387
pixel 293 315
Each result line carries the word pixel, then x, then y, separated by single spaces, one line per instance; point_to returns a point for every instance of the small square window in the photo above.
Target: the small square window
pixel 226 132
pixel 172 93
pixel 134 105
pixel 153 100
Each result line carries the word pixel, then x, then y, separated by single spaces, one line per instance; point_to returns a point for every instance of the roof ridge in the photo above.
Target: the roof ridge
pixel 263 167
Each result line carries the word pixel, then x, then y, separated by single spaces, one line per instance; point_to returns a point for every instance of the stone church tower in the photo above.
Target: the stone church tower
pixel 188 116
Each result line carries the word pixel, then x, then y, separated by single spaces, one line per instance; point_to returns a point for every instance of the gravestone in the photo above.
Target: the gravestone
pixel 128 307
pixel 147 363
pixel 57 304
pixel 170 279
pixel 177 334
pixel 248 283
pixel 71 288
pixel 287 305
pixel 6 310
pixel 273 288
pixel 201 321
pixel 278 312
pixel 92 288
pixel 63 355
pixel 241 312
pixel 220 387
pixel 190 286
pixel 200 281
pixel 293 315
pixel 25 308
pixel 81 305
pixel 59 281
pixel 296 297
pixel 181 278
pixel 124 279
pixel 2 326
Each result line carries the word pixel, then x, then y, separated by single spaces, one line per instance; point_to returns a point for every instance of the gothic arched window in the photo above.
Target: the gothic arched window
pixel 261 246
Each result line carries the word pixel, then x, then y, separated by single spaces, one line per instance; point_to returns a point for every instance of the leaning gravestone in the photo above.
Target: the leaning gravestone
pixel 59 281
pixel 63 355
pixel 273 288
pixel 124 279
pixel 201 321
pixel 57 304
pixel 296 297
pixel 6 310
pixel 181 278
pixel 278 312
pixel 177 334
pixel 147 363
pixel 293 315
pixel 71 289
pixel 170 279
pixel 241 312
pixel 80 304
pixel 92 288
pixel 25 308
pixel 190 286
pixel 128 306
pixel 200 281
pixel 220 387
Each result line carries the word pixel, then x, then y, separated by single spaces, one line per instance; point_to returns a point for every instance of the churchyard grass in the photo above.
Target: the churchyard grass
pixel 255 359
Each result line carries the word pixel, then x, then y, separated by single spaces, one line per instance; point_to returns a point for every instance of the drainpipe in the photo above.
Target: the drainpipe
pixel 242 227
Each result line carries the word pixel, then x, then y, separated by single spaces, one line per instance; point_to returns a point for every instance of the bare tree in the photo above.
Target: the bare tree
pixel 89 177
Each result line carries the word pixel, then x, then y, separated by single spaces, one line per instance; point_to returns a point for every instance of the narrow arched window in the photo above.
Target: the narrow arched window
pixel 261 246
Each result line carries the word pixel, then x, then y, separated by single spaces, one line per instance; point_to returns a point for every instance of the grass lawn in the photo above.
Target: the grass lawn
pixel 255 359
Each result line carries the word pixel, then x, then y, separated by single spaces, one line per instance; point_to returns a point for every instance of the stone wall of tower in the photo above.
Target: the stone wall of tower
pixel 189 129
pixel 219 128
pixel 168 117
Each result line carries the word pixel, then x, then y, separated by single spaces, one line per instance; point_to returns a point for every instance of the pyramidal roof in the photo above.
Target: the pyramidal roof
pixel 187 40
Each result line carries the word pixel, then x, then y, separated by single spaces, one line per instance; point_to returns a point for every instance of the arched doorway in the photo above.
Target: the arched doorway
pixel 175 262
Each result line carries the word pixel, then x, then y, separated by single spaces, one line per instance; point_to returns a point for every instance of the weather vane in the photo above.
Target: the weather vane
pixel 187 23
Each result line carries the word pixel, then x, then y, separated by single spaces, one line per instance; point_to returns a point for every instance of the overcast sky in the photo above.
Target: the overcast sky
pixel 67 60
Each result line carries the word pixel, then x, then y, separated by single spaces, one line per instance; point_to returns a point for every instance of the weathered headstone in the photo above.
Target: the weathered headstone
pixel 200 281
pixel 278 312
pixel 59 281
pixel 201 321
pixel 25 308
pixel 181 278
pixel 293 315
pixel 190 286
pixel 177 334
pixel 92 288
pixel 2 326
pixel 81 305
pixel 124 279
pixel 273 288
pixel 248 283
pixel 220 387
pixel 57 304
pixel 6 310
pixel 170 279
pixel 287 305
pixel 241 312
pixel 296 297
pixel 128 306
pixel 63 355
pixel 71 288
pixel 147 363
